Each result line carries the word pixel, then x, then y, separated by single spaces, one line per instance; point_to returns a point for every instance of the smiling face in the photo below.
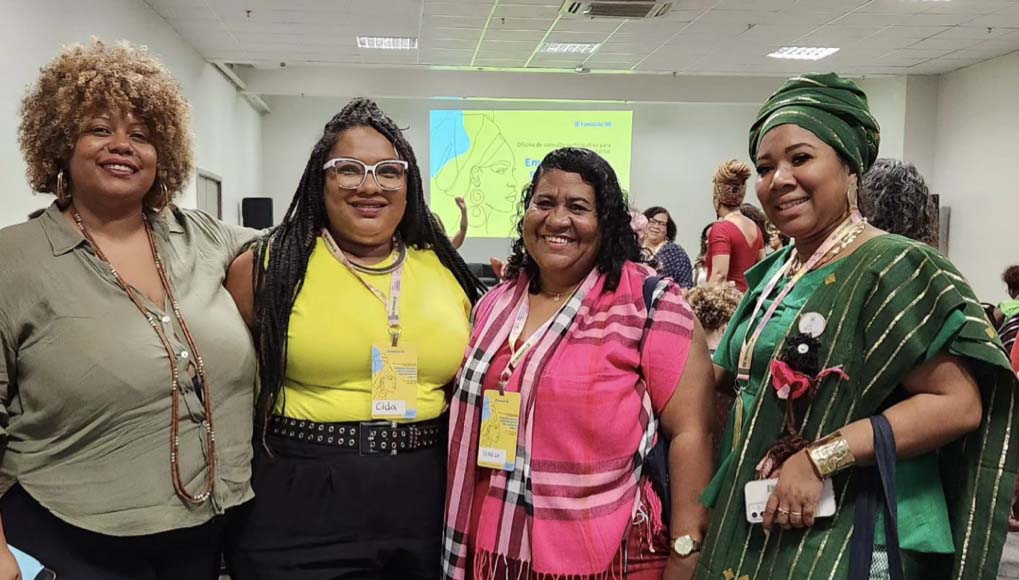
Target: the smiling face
pixel 657 228
pixel 803 183
pixel 113 158
pixel 561 230
pixel 364 219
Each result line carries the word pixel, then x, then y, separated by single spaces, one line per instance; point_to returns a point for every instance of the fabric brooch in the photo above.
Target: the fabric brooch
pixel 795 375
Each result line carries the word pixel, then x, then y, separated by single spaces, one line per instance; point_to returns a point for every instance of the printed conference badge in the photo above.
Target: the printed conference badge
pixel 500 421
pixel 394 382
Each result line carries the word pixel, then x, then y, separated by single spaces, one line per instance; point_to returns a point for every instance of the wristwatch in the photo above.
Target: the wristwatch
pixel 685 545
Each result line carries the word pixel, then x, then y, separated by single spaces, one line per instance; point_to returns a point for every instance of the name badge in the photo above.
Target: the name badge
pixel 394 382
pixel 500 421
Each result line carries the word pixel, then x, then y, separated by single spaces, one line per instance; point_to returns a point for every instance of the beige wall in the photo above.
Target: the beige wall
pixel 976 155
pixel 227 129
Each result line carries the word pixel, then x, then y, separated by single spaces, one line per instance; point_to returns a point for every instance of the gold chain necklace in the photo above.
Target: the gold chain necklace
pixel 849 238
pixel 557 296
pixel 171 354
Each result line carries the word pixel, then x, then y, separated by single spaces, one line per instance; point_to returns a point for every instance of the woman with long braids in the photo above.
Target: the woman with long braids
pixel 359 307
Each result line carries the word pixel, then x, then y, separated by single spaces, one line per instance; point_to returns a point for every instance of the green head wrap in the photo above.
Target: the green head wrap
pixel 829 106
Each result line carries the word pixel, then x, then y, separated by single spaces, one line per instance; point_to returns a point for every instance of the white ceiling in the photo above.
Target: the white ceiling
pixel 729 37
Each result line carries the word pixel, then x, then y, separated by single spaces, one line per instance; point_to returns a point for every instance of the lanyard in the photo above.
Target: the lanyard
pixel 392 303
pixel 839 236
pixel 518 354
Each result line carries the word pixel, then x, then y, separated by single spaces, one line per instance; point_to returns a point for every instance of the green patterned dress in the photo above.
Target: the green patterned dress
pixel 889 307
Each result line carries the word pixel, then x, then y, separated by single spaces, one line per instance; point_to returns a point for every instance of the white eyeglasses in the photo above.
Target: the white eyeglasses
pixel 390 174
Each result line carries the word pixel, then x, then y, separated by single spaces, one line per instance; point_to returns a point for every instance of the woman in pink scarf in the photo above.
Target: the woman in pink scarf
pixel 568 376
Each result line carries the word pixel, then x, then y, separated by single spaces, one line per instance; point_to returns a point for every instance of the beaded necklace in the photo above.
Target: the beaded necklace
pixel 175 391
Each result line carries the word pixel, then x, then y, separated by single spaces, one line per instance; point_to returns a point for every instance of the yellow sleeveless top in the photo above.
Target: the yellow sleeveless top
pixel 336 320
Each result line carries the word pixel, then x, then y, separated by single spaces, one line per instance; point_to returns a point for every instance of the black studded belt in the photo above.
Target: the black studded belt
pixel 367 437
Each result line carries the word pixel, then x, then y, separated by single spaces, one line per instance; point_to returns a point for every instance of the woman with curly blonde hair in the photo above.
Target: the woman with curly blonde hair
pixel 714 304
pixel 735 242
pixel 126 371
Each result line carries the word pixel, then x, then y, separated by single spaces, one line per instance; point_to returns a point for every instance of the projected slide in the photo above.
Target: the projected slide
pixel 487 157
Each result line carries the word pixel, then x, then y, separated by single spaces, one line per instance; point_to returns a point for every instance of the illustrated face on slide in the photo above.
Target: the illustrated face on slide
pixel 561 229
pixel 494 182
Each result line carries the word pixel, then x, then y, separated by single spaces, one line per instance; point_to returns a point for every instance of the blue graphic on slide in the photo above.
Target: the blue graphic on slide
pixel 449 138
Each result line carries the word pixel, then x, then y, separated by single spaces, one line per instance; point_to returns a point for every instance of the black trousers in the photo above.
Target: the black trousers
pixel 77 554
pixel 323 513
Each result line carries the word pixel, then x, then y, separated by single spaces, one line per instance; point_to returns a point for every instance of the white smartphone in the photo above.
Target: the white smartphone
pixel 758 492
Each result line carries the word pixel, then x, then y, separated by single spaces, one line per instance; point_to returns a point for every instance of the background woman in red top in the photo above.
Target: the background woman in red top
pixel 735 242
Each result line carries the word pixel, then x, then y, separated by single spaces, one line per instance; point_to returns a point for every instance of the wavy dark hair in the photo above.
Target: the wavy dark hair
pixel 1011 279
pixel 670 227
pixel 894 197
pixel 618 240
pixel 289 246
pixel 754 214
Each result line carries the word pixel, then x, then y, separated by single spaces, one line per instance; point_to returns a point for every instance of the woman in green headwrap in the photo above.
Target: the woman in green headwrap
pixel 848 323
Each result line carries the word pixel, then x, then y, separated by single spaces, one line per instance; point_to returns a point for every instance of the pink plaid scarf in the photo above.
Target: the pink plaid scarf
pixel 564 510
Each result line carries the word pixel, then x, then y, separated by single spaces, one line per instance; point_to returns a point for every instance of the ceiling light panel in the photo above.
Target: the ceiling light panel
pixel 569 47
pixel 387 42
pixel 803 52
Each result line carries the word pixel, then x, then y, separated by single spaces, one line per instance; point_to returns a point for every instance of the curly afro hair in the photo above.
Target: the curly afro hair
pixel 894 197
pixel 85 80
pixel 618 240
pixel 714 304
pixel 1011 279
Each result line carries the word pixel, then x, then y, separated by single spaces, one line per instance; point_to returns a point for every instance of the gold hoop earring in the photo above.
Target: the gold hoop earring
pixel 61 192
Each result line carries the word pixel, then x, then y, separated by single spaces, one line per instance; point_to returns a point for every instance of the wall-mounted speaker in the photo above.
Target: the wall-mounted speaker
pixel 256 212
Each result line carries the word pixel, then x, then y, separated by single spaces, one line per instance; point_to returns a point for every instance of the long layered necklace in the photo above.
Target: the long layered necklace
pixel 171 355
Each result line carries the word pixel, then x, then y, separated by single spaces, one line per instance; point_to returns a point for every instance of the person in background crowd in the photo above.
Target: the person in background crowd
pixel 757 216
pixel 563 334
pixel 461 235
pixel 714 305
pixel 638 223
pixel 1008 309
pixel 776 240
pixel 847 324
pixel 894 198
pixel 126 373
pixel 660 241
pixel 700 268
pixel 359 305
pixel 735 242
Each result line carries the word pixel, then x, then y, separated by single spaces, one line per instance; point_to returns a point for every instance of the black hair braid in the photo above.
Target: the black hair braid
pixel 618 240
pixel 281 258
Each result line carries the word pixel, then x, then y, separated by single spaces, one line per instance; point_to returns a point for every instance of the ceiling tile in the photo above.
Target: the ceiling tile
pixel 703 36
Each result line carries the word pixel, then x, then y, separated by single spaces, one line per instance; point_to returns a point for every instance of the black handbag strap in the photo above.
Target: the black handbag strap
pixel 650 283
pixel 656 463
pixel 877 491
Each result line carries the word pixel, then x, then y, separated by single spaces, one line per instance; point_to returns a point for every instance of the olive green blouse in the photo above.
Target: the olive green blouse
pixel 85 381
